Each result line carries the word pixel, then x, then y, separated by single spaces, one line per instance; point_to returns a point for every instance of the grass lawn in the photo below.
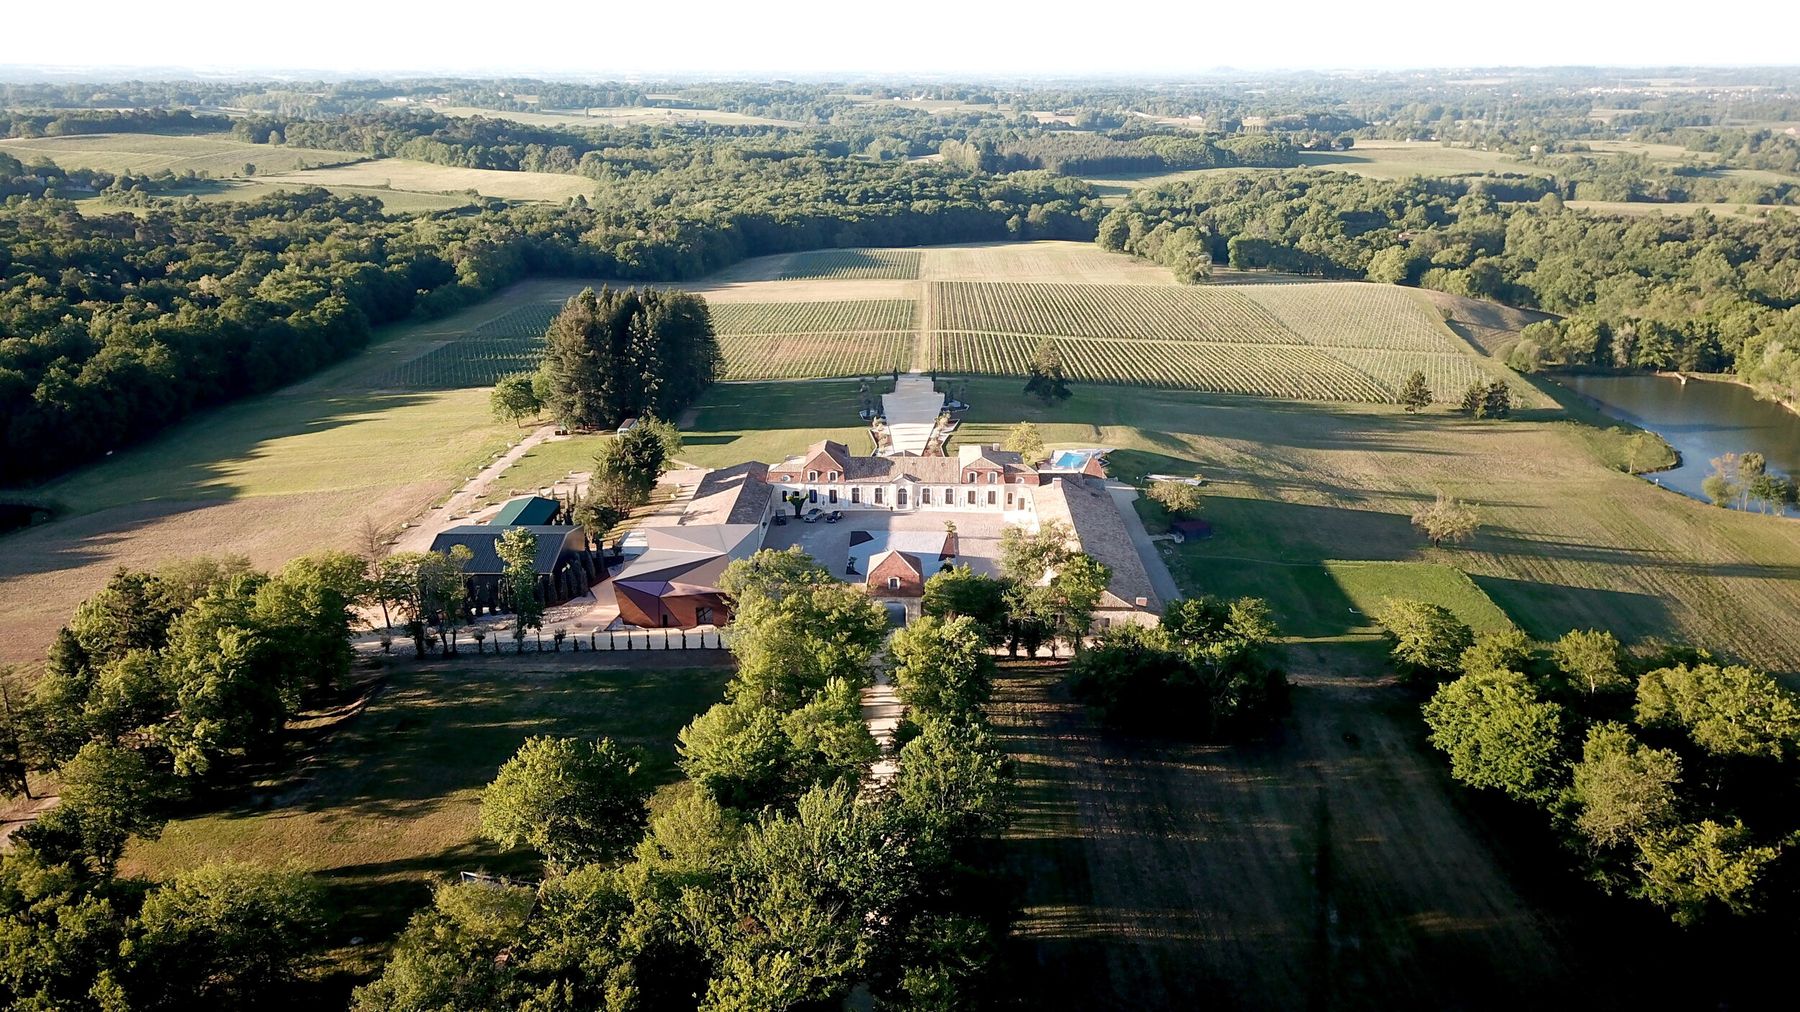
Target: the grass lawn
pixel 384 802
pixel 550 462
pixel 1369 584
pixel 735 422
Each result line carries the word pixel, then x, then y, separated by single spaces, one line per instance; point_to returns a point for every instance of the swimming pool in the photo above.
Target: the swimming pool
pixel 1071 460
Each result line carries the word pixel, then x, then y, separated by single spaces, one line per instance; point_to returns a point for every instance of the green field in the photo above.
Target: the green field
pixel 760 341
pixel 270 477
pixel 1369 584
pixel 812 317
pixel 1351 342
pixel 1639 209
pixel 809 356
pixel 632 115
pixel 230 190
pixel 204 154
pixel 736 422
pixel 852 264
pixel 384 801
pixel 429 177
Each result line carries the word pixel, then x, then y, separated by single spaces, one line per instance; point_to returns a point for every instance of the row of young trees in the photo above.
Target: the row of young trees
pixel 1671 776
pixel 776 875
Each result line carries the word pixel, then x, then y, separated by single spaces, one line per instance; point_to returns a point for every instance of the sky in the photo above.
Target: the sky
pixel 812 38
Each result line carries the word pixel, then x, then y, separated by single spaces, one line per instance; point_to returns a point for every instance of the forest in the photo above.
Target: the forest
pixel 115 326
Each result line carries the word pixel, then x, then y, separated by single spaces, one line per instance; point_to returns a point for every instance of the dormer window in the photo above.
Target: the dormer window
pixel 833 476
pixel 993 477
pixel 812 476
pixel 893 583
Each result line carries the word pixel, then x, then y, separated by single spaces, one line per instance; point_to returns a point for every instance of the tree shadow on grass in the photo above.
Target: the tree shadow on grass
pixel 1548 610
pixel 436 734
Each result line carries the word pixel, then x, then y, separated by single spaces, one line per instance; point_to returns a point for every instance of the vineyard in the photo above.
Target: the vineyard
pixel 1115 311
pixel 811 317
pixel 803 340
pixel 1323 341
pixel 1217 367
pixel 1352 314
pixel 507 344
pixel 1349 342
pixel 852 264
pixel 809 356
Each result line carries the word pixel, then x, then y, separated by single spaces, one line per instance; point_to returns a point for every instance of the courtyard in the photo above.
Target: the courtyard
pixel 977 536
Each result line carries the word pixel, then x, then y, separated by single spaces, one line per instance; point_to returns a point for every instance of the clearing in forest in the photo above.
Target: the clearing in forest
pixel 428 177
pixel 148 154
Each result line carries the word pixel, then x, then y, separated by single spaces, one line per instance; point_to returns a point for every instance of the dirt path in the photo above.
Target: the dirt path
pixel 926 315
pixel 434 521
pixel 1331 868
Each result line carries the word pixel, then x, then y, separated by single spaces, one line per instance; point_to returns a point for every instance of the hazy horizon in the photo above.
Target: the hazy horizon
pixel 812 39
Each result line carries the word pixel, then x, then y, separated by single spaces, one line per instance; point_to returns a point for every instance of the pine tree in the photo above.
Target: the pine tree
pixel 1416 395
pixel 1474 400
pixel 1496 400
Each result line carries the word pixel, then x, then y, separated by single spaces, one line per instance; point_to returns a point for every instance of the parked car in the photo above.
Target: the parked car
pixel 781 519
pixel 813 515
pixel 834 516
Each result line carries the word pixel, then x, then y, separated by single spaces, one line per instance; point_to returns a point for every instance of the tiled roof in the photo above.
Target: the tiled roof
pixel 730 495
pixel 1089 510
pixel 929 470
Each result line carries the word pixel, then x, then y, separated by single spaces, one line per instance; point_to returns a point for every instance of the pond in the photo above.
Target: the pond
pixel 1702 419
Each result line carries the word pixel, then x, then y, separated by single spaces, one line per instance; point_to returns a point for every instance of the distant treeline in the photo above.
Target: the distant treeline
pixel 1090 153
pixel 112 327
pixel 105 121
pixel 1699 293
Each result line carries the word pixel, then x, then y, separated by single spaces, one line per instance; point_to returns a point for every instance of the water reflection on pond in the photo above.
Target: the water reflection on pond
pixel 1702 419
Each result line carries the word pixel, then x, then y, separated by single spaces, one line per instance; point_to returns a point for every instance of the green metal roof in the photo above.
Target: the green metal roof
pixel 527 511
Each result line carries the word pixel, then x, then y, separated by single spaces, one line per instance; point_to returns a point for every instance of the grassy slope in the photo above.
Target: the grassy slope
pixel 1565 542
pixel 207 154
pixel 768 421
pixel 385 801
pixel 271 477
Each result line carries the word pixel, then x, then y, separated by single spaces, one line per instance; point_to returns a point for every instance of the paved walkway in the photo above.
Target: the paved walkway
pixel 912 411
pixel 881 711
pixel 1160 580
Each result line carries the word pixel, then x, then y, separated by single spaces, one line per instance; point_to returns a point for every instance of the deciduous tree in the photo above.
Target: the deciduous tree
pixel 575 802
